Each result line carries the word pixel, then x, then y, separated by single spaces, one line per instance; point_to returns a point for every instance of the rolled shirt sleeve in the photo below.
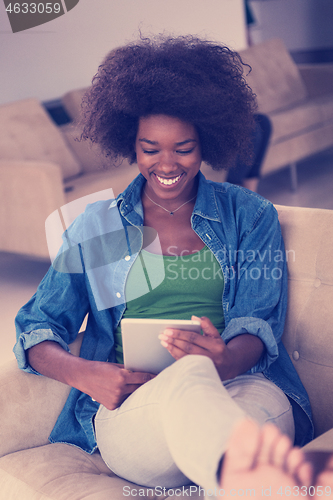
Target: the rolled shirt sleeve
pixel 30 339
pixel 258 283
pixel 64 296
pixel 259 328
pixel 55 313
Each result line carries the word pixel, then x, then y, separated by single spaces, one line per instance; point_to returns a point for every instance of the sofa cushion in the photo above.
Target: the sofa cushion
pixel 30 405
pixel 27 424
pixel 298 147
pixel 89 155
pixel 321 443
pixel 308 239
pixel 300 118
pixel 275 77
pixel 27 133
pixel 63 472
pixel 72 102
pixel 116 178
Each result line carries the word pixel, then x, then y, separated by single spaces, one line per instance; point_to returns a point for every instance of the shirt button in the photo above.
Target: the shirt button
pixel 295 355
pixel 127 258
pixel 118 295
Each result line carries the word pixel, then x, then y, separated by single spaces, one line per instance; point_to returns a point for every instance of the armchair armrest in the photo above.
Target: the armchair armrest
pixel 318 78
pixel 29 406
pixel 29 192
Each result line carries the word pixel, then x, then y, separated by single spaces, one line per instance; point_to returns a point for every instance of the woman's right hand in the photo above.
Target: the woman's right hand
pixel 107 383
pixel 110 384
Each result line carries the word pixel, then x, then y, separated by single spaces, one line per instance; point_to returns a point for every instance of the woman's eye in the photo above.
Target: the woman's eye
pixel 179 151
pixel 185 152
pixel 150 151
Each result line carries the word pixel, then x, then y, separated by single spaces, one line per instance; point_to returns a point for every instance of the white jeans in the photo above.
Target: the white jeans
pixel 173 430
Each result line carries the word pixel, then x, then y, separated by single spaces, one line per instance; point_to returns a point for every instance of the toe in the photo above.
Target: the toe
pixel 270 436
pixel 243 444
pixel 280 450
pixel 299 467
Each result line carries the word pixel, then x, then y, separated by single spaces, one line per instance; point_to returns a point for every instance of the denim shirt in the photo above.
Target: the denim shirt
pixel 241 229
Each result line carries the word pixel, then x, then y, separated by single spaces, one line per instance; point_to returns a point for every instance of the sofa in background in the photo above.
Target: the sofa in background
pixel 39 173
pixel 45 169
pixel 32 469
pixel 298 99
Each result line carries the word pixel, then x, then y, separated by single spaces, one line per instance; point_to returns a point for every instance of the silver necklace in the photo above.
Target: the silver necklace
pixel 173 211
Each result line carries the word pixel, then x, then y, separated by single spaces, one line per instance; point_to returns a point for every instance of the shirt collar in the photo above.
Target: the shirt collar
pixel 130 197
pixel 205 205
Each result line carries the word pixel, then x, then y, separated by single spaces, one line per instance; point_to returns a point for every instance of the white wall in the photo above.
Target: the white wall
pixel 48 60
pixel 302 24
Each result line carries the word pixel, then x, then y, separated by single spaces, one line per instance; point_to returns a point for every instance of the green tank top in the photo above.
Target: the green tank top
pixel 193 284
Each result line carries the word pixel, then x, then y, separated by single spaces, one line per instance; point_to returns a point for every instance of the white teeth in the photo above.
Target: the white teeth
pixel 168 182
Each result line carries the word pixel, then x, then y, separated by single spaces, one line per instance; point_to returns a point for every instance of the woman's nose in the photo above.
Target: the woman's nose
pixel 167 162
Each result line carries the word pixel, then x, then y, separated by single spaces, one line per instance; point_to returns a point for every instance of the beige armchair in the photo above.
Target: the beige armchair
pixel 32 469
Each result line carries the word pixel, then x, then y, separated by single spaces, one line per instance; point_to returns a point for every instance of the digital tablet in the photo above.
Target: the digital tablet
pixel 142 348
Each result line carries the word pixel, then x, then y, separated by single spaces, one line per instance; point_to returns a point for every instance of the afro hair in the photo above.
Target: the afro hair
pixel 194 80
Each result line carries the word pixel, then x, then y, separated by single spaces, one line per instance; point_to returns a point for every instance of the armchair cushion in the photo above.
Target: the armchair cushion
pixel 30 405
pixel 72 102
pixel 116 178
pixel 23 211
pixel 275 77
pixel 63 472
pixel 317 78
pixel 296 120
pixel 27 133
pixel 57 472
pixel 89 155
pixel 308 237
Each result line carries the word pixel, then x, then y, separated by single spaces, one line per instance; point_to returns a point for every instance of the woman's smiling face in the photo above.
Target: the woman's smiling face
pixel 168 156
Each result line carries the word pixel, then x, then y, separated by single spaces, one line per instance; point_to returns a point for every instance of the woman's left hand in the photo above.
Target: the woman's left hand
pixel 181 343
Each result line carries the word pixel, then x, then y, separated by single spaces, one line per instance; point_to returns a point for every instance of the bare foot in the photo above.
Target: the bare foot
pixel 322 463
pixel 263 462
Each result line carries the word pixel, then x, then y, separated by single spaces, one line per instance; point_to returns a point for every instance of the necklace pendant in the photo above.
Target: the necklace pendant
pixel 171 213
